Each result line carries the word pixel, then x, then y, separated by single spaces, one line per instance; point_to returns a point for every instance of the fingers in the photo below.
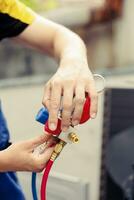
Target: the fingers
pixel 54 104
pixel 44 151
pixel 42 159
pixel 94 100
pixel 42 148
pixel 79 103
pixel 46 155
pixel 73 89
pixel 67 107
pixel 46 98
pixel 33 143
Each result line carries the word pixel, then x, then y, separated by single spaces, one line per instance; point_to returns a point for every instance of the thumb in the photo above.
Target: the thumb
pixel 44 157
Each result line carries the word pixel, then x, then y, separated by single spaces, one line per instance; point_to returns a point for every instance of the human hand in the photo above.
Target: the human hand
pixel 21 157
pixel 71 81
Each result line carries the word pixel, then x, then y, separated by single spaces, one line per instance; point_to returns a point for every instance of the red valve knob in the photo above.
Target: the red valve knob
pixel 86 111
pixel 57 131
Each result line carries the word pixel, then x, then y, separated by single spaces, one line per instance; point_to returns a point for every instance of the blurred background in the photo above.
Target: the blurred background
pixel 107 28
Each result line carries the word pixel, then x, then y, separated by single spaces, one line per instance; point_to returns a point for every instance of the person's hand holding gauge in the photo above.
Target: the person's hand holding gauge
pixel 67 91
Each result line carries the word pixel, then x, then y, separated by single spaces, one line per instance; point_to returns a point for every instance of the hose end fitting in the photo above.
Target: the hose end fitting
pixel 57 150
pixel 73 137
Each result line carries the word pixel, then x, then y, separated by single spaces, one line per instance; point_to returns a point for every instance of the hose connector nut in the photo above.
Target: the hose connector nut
pixel 73 137
pixel 57 150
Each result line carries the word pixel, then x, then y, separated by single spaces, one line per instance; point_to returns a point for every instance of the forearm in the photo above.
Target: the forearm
pixel 3 161
pixel 54 39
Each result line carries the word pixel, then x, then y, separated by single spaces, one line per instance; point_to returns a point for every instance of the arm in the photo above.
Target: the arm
pixel 73 76
pixel 2 161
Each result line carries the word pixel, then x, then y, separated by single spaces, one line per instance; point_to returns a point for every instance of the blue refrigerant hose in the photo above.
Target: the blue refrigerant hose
pixel 33 185
pixel 41 117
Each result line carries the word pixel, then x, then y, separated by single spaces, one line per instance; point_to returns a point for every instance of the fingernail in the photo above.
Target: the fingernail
pixel 64 128
pixel 76 122
pixel 52 126
pixel 93 115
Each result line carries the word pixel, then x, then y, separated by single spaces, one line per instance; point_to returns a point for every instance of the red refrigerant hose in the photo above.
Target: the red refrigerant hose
pixel 45 179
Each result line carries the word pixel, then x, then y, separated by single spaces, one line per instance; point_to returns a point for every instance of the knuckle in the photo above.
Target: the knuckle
pixel 70 81
pixel 46 104
pixel 55 104
pixel 66 122
pixel 94 107
pixel 56 83
pixel 43 102
pixel 65 125
pixel 65 119
pixel 86 79
pixel 67 107
pixel 41 138
pixel 76 115
pixel 80 100
pixel 94 97
pixel 76 118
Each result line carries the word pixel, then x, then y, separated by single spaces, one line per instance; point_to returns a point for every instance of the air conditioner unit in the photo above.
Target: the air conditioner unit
pixel 118 120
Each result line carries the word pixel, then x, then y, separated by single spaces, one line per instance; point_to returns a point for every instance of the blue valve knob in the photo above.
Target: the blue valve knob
pixel 42 116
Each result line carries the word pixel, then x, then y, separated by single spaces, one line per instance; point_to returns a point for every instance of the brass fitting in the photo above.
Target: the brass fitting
pixel 73 137
pixel 57 150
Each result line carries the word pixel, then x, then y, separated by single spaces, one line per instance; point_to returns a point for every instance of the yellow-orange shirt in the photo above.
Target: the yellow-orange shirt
pixel 14 18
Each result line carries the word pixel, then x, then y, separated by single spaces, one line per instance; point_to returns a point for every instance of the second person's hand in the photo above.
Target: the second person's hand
pixel 72 79
pixel 21 157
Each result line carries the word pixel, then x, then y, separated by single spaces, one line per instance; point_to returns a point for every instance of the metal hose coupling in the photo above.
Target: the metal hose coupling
pixel 73 137
pixel 57 150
